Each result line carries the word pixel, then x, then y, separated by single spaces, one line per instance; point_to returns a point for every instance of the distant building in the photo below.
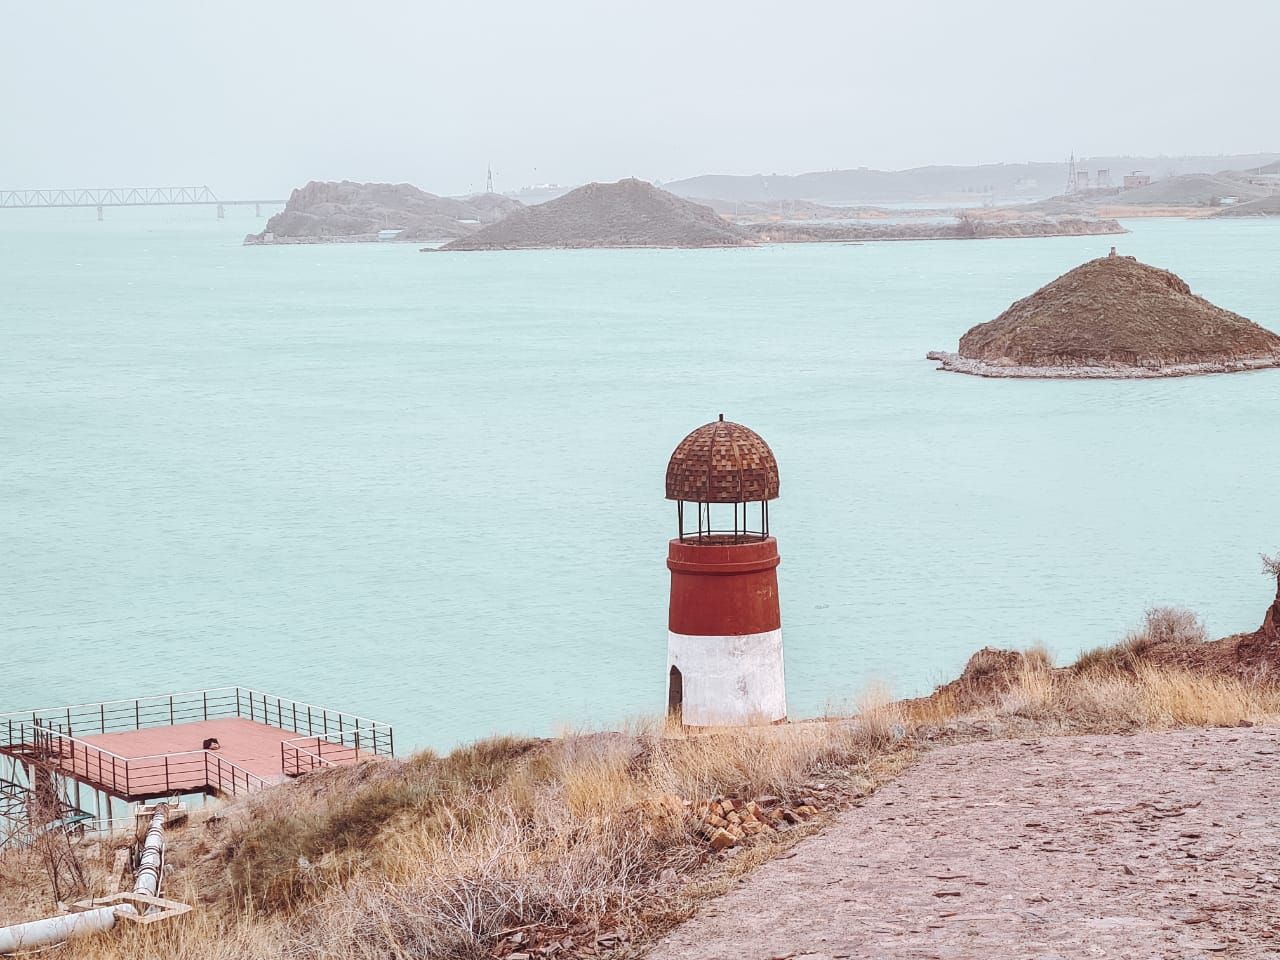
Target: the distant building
pixel 1136 179
pixel 1103 179
pixel 389 234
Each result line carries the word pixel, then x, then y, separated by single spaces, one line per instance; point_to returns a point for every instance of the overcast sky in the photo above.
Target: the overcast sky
pixel 253 98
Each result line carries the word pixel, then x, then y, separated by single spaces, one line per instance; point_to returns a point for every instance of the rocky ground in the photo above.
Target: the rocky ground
pixel 1151 845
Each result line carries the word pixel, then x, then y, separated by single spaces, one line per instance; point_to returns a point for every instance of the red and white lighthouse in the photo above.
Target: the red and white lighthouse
pixel 724 637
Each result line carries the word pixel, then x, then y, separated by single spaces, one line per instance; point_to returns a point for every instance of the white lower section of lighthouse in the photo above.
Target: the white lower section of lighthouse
pixel 728 681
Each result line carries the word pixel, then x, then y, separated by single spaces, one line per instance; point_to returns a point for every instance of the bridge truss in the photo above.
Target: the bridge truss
pixel 100 197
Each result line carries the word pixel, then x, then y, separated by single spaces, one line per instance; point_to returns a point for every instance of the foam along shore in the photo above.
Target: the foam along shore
pixel 954 363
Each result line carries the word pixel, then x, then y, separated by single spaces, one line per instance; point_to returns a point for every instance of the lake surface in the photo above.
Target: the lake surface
pixel 428 488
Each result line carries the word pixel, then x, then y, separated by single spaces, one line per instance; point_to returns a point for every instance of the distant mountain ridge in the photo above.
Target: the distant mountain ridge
pixel 1003 181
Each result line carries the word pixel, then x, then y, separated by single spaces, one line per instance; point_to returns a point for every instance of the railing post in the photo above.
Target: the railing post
pixel 171 709
pixel 204 697
pixel 310 730
pixel 295 716
pixel 166 773
pixel 137 716
pixel 102 718
pixel 237 701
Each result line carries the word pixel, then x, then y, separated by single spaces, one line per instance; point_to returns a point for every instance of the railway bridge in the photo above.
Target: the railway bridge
pixel 102 197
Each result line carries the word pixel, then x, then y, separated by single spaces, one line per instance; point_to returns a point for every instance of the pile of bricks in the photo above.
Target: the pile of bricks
pixel 725 821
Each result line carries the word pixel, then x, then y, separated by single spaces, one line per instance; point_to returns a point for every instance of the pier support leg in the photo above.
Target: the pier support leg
pixel 99 213
pixel 221 212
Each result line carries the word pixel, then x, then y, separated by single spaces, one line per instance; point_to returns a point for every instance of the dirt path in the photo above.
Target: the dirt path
pixel 1155 845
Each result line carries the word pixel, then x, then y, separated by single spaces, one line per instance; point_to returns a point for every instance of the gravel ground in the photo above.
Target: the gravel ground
pixel 1153 845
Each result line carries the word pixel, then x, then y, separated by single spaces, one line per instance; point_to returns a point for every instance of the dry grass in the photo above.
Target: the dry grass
pixel 1161 625
pixel 439 856
pixel 446 856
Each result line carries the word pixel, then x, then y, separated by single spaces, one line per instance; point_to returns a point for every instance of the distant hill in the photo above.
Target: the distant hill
pixel 999 181
pixel 629 213
pixel 1193 190
pixel 1113 316
pixel 328 211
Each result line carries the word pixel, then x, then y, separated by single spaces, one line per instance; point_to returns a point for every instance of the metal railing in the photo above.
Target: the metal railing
pixel 304 754
pixel 166 710
pixel 165 774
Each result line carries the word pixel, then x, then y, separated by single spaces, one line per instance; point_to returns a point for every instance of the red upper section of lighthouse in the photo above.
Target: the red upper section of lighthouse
pixel 722 462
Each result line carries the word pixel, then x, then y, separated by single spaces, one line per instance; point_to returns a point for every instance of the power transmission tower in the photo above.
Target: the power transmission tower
pixel 1073 175
pixel 488 180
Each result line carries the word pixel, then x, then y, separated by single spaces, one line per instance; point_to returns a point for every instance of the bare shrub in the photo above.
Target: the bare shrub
pixel 1171 625
pixel 1271 566
pixel 1161 625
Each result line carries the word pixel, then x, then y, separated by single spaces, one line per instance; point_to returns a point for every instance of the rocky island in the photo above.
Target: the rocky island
pixel 629 213
pixel 1113 318
pixel 346 212
pixel 963 228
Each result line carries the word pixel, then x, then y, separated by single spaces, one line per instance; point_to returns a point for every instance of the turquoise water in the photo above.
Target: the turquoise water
pixel 429 488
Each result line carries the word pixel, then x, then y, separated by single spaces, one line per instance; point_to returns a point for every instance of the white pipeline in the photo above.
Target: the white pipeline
pixel 51 930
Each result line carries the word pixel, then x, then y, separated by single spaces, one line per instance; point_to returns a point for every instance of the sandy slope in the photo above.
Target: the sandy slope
pixel 1153 845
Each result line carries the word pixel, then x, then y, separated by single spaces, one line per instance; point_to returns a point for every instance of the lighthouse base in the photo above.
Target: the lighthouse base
pixel 726 681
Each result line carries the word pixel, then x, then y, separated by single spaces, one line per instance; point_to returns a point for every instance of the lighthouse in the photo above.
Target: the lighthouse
pixel 724 636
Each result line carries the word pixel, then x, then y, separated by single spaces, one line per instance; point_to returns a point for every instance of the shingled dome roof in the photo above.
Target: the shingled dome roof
pixel 722 462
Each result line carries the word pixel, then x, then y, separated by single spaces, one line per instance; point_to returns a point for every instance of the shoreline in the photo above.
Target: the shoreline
pixel 954 363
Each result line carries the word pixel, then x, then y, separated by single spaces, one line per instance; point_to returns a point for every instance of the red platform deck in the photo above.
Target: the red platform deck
pixel 154 747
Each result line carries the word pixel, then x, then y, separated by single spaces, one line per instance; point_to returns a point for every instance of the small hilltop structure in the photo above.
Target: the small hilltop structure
pixel 724 638
pixel 1113 317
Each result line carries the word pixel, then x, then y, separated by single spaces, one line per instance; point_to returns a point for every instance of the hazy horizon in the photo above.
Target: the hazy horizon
pixel 259 99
